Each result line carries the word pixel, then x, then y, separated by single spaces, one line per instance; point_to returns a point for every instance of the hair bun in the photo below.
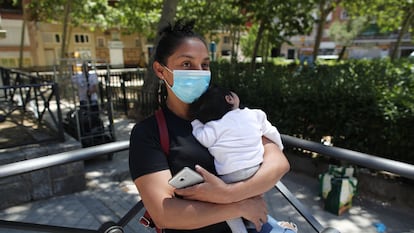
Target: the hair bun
pixel 184 26
pixel 181 26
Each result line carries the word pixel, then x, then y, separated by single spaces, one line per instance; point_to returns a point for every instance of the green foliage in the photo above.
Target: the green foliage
pixel 92 12
pixel 277 21
pixel 365 105
pixel 344 33
pixel 211 15
pixel 139 16
pixel 97 14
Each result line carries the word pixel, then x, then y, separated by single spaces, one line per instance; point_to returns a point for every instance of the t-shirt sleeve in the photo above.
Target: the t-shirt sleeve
pixel 145 153
pixel 269 130
pixel 204 133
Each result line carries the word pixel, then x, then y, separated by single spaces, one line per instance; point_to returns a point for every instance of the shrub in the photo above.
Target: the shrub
pixel 365 105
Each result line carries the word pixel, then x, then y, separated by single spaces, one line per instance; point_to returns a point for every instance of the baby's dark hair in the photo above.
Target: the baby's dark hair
pixel 173 36
pixel 212 105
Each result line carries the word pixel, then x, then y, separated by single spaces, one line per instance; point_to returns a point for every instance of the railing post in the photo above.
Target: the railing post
pixel 124 97
pixel 61 134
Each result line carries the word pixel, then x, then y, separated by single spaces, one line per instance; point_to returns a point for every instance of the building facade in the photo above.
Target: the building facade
pixel 371 43
pixel 40 44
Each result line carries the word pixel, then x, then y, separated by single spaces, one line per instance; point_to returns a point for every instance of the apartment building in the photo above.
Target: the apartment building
pixel 40 43
pixel 369 44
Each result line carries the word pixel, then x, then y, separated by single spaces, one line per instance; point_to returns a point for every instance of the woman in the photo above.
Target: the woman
pixel 203 207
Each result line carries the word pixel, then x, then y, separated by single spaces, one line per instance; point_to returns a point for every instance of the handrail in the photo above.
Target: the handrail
pixel 358 158
pixel 35 164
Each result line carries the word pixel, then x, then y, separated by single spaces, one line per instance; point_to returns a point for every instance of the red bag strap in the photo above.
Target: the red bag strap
pixel 165 145
pixel 163 130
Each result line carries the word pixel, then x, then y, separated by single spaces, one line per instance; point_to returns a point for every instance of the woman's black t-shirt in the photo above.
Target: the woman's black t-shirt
pixel 146 155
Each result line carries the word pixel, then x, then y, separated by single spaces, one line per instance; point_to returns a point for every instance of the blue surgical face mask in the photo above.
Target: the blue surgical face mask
pixel 189 84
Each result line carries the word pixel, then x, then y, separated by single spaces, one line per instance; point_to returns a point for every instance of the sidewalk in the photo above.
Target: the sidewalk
pixel 111 193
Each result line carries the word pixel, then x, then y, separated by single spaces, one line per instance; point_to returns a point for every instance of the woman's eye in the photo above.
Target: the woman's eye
pixel 206 66
pixel 186 64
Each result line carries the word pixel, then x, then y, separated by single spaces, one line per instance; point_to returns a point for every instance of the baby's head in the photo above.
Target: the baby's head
pixel 214 104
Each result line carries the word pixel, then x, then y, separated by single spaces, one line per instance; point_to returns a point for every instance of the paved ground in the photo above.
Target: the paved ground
pixel 110 194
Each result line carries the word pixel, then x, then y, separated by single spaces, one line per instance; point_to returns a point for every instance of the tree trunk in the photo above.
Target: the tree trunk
pixel 169 8
pixel 66 20
pixel 150 86
pixel 234 44
pixel 256 45
pixel 342 53
pixel 22 43
pixel 319 31
pixel 403 30
pixel 168 13
pixel 23 32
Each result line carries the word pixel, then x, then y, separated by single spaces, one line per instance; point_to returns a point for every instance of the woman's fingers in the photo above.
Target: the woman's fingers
pixel 211 190
pixel 255 210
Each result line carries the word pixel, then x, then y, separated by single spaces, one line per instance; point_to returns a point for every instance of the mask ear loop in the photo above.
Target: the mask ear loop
pixel 163 78
pixel 162 92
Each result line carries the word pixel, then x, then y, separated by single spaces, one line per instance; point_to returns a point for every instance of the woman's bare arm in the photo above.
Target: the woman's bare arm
pixel 274 166
pixel 169 212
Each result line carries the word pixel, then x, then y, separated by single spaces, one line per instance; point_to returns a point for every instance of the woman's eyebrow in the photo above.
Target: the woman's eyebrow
pixel 192 57
pixel 185 56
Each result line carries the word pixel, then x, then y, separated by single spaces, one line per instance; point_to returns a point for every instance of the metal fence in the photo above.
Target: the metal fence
pixel 123 87
pixel 28 95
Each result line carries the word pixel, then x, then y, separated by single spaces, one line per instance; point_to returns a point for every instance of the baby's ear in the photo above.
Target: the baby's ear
pixel 229 99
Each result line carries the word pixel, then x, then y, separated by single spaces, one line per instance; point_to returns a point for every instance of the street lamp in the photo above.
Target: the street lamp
pixel 213 49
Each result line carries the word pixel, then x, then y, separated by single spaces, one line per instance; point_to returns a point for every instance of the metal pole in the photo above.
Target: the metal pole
pixel 25 166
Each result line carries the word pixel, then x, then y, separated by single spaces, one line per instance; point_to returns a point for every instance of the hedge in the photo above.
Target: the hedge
pixel 364 105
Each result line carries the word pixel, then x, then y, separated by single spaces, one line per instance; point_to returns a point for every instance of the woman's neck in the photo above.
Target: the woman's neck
pixel 178 108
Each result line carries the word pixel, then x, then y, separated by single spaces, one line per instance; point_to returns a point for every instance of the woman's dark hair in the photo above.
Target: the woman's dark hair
pixel 212 105
pixel 172 36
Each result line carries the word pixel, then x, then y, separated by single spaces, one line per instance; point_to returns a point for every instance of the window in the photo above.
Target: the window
pixel 344 14
pixel 138 43
pixel 225 52
pixel 81 38
pixel 100 41
pixel 115 36
pixel 226 39
pixel 57 38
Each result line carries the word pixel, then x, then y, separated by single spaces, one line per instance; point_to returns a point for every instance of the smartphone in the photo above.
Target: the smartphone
pixel 186 177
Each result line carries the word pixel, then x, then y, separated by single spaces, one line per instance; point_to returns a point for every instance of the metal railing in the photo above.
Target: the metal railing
pixel 366 160
pixel 120 86
pixel 354 157
pixel 31 96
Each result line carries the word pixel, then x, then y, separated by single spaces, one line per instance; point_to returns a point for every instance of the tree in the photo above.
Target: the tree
pixel 131 16
pixel 169 9
pixel 389 15
pixel 277 20
pixel 343 33
pixel 72 13
pixel 215 16
pixel 324 8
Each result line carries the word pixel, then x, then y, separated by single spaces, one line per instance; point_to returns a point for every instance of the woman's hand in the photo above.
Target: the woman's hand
pixel 212 190
pixel 255 210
